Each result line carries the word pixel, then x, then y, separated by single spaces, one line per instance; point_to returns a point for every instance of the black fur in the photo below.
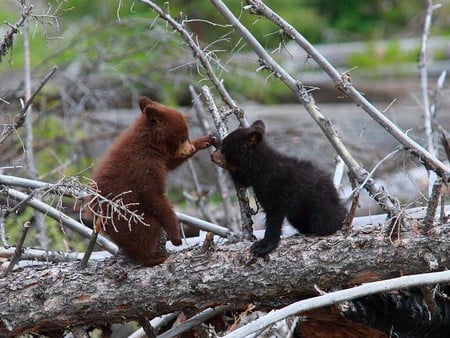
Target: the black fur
pixel 285 187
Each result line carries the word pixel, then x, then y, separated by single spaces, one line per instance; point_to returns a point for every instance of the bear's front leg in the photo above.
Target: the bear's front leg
pixel 274 221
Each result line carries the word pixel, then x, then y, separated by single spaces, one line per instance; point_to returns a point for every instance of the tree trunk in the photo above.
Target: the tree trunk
pixel 55 297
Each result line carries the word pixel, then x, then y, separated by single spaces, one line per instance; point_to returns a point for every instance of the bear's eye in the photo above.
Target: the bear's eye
pixel 222 149
pixel 184 138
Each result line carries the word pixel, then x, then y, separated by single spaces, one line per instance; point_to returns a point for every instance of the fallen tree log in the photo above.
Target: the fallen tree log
pixel 55 297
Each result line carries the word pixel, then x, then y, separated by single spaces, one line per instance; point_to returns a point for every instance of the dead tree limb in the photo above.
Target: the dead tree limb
pixel 389 204
pixel 344 84
pixel 246 215
pixel 8 38
pixel 108 292
pixel 230 217
pixel 60 216
pixel 203 58
pixel 20 118
pixel 244 204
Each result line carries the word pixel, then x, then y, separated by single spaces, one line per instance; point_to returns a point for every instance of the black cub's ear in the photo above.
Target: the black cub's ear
pixel 259 126
pixel 256 132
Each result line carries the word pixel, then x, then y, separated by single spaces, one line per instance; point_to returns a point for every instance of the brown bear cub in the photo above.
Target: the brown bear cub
pixel 135 170
pixel 285 187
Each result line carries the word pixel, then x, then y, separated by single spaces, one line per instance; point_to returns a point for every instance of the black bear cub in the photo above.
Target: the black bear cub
pixel 284 186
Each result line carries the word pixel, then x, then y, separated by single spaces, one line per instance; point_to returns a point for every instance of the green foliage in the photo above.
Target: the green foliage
pixel 366 20
pixel 374 56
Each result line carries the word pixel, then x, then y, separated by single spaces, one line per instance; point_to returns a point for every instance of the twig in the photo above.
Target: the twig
pixel 195 320
pixel 20 118
pixel 89 249
pixel 222 186
pixel 428 116
pixel 244 205
pixel 343 83
pixel 19 248
pixel 435 103
pixel 203 58
pixel 65 187
pixel 156 323
pixel 41 255
pixel 8 38
pixel 338 172
pixel 446 144
pixel 61 217
pixel 432 205
pixel 355 200
pixel 424 80
pixel 220 125
pixel 207 226
pixel 379 194
pixel 146 326
pixel 380 162
pixel 3 240
pixel 442 216
pixel 339 296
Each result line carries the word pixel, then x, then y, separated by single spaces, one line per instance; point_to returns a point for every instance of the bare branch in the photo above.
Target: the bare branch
pixel 20 118
pixel 239 113
pixel 19 248
pixel 195 320
pixel 61 217
pixel 433 202
pixel 71 187
pixel 203 58
pixel 244 205
pixel 378 193
pixel 8 38
pixel 41 255
pixel 423 62
pixel 343 84
pixel 230 218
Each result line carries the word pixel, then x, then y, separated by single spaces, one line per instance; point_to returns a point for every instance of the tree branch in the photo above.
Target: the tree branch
pixel 108 292
pixel 343 83
pixel 8 38
pixel 203 58
pixel 20 118
pixel 61 217
pixel 388 204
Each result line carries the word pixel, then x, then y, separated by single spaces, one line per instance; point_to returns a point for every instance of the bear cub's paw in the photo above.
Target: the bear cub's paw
pixel 262 248
pixel 203 142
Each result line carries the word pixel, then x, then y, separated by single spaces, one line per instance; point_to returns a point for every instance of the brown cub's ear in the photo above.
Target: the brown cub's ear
pixel 154 115
pixel 144 101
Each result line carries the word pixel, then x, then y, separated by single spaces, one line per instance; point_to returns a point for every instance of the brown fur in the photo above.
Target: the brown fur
pixel 138 163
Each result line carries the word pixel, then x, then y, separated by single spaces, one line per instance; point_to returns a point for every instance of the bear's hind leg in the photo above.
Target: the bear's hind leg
pixel 146 246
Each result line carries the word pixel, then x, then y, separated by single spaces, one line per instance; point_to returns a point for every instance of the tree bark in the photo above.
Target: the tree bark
pixel 56 297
